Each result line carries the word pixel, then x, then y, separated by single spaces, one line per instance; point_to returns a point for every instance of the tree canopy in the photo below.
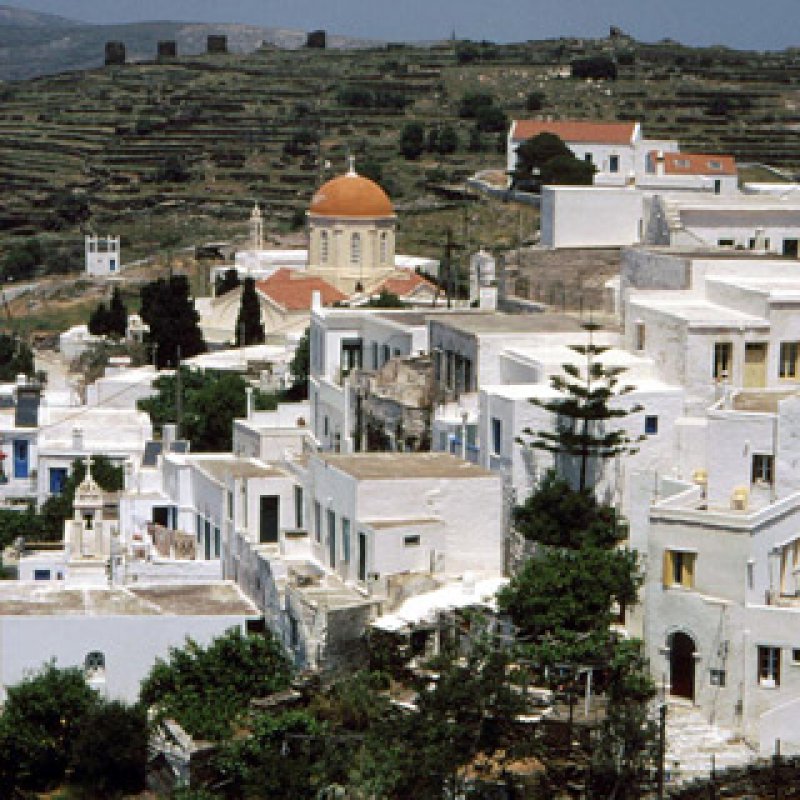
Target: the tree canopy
pixel 583 412
pixel 545 159
pixel 300 368
pixel 205 688
pixel 55 727
pixel 412 140
pixel 168 309
pixel 226 282
pixel 16 358
pixel 249 327
pixel 110 320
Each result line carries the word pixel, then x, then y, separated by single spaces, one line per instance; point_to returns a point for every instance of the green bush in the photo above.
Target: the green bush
pixel 206 688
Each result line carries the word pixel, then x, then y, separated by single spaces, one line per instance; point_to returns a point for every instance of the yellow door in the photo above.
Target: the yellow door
pixel 755 365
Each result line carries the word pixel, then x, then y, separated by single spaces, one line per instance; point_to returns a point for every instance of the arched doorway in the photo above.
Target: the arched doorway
pixel 681 665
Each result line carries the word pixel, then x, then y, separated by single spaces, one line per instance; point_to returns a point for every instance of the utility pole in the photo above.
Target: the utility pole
pixel 178 396
pixel 662 747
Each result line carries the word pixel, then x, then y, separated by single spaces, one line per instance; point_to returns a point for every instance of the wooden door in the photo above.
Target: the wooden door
pixel 681 666
pixel 755 365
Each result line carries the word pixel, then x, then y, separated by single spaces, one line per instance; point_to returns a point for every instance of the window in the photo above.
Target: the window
pixel 323 247
pixel 683 163
pixel 651 425
pixel 318 520
pixel 411 541
pixel 640 335
pixel 332 537
pixel 216 542
pixel 587 157
pixel 299 516
pixel 94 665
pixel 384 247
pixel 679 569
pixel 230 505
pixel 386 353
pixel 112 264
pixel 497 436
pixel 762 468
pixel 769 666
pixel 355 248
pixel 613 164
pixel 345 540
pixel 723 356
pixel 41 574
pixel 788 367
pixel 362 556
pixel 796 655
pixel 325 426
pixel 352 355
pixel 753 243
pixel 374 355
pixel 199 525
pixel 726 243
pixel 717 677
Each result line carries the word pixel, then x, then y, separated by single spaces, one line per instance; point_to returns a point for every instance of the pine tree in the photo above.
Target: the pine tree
pixel 117 317
pixel 249 328
pixel 583 411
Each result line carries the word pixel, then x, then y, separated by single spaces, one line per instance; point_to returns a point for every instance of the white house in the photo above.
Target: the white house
pixel 103 255
pixel 616 149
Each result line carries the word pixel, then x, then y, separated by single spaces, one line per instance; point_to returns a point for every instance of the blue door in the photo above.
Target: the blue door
pixel 20 458
pixel 58 477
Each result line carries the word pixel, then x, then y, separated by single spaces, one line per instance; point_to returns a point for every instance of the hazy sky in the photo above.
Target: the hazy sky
pixel 754 24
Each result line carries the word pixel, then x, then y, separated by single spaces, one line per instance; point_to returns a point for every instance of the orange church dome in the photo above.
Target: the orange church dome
pixel 351 195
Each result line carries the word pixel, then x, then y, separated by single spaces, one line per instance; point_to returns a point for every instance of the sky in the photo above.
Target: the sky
pixel 746 24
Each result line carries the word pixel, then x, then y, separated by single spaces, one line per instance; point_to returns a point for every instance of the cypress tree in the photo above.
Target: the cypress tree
pixel 249 328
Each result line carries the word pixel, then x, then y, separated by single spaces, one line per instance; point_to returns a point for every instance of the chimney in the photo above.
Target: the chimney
pixel 249 391
pixel 316 300
pixel 660 162
pixel 169 433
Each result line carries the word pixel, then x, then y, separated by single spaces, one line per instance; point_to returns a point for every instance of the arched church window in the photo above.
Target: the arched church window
pixel 95 665
pixel 384 247
pixel 323 247
pixel 355 248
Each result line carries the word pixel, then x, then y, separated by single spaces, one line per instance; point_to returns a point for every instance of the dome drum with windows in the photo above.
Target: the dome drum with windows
pixel 351 227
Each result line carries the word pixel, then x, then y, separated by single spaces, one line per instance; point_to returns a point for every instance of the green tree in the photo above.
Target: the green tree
pixel 555 514
pixel 447 141
pixel 40 719
pixel 534 101
pixel 16 358
pixel 206 688
pixel 545 159
pixel 111 320
pixel 300 367
pixel 249 328
pixel 118 765
pixel 21 260
pixel 224 392
pixel 584 413
pixel 173 169
pixel 412 140
pixel 597 67
pixel 386 299
pixel 491 119
pixel 472 102
pixel 226 282
pixel 168 309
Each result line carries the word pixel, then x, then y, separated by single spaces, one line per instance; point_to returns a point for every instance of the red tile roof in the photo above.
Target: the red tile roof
pixel 575 131
pixel 292 289
pixel 404 285
pixel 695 164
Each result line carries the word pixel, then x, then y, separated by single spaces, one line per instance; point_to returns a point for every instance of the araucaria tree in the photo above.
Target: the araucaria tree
pixel 584 410
pixel 249 328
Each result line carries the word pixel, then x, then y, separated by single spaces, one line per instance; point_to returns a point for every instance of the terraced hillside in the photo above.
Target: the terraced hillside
pixel 180 150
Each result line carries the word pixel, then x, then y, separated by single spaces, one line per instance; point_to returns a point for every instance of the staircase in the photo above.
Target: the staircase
pixel 691 742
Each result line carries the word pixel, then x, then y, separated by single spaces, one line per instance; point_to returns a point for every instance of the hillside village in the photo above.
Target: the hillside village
pixel 356 446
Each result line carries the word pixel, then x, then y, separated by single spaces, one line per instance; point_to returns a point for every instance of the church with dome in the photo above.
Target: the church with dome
pixel 351 232
pixel 351 227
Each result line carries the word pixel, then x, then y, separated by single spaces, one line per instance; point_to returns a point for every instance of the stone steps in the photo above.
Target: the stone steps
pixel 691 743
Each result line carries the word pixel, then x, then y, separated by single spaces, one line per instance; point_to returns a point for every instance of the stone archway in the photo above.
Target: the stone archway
pixel 681 665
